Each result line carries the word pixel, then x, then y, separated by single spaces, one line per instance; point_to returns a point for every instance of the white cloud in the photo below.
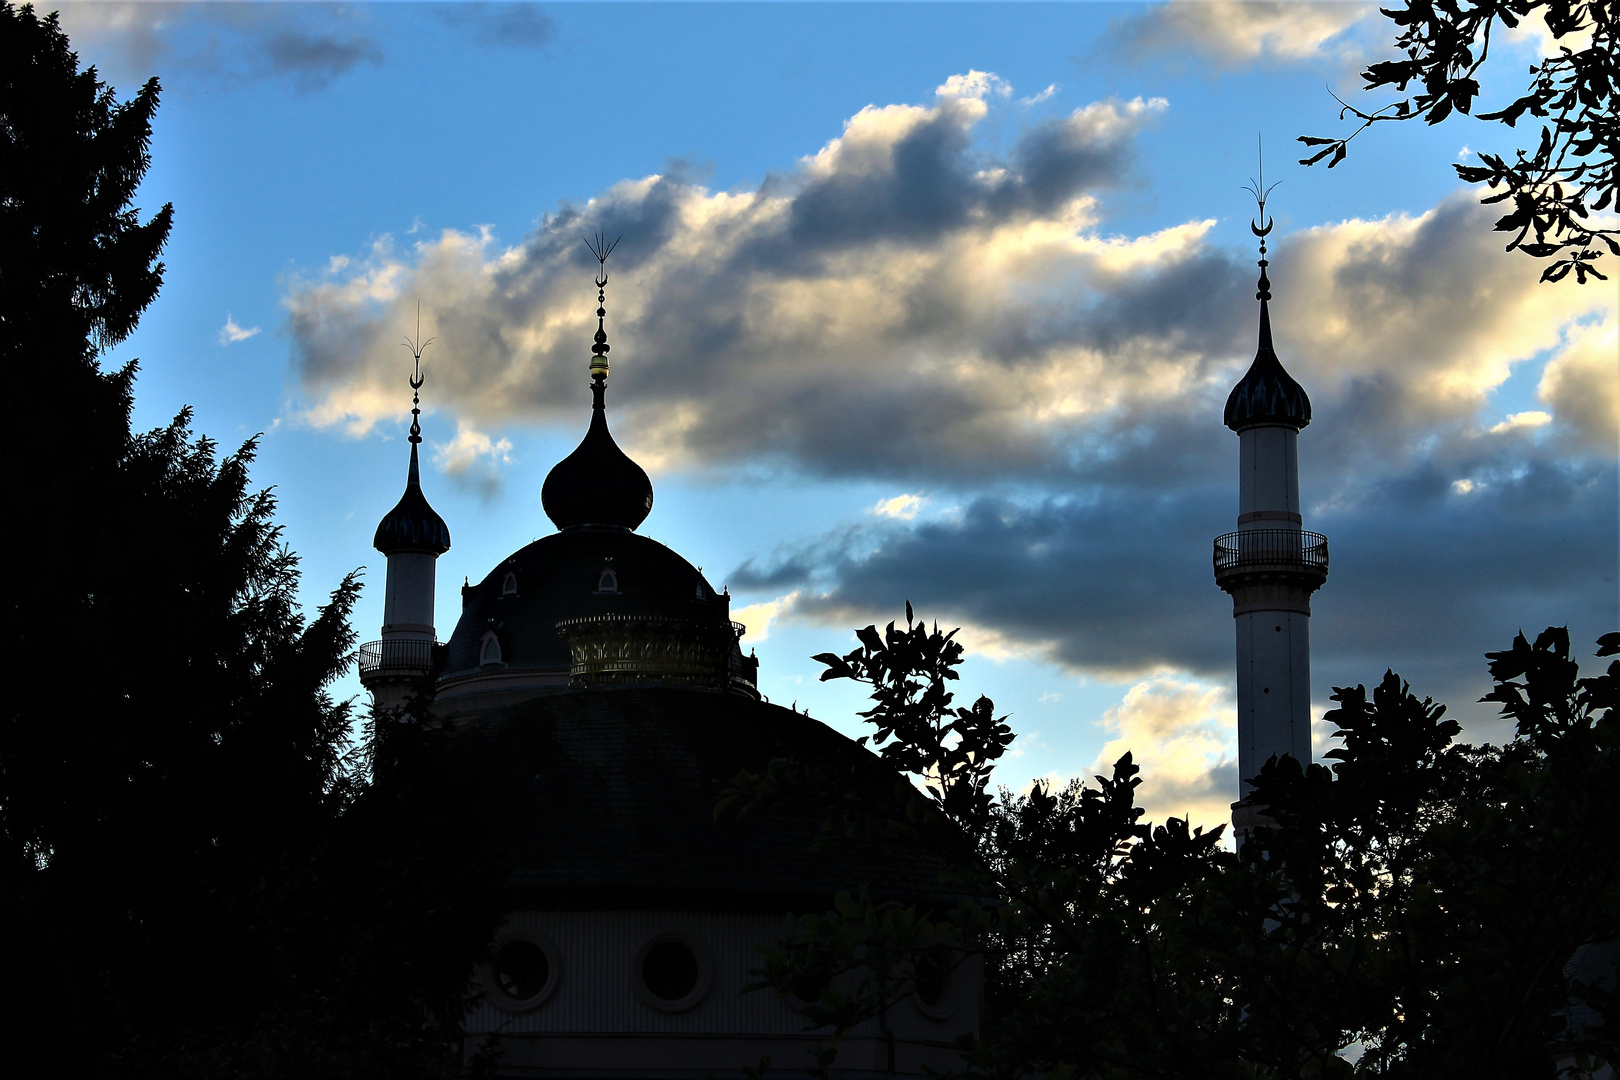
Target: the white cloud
pixel 900 508
pixel 975 84
pixel 1235 32
pixel 1183 735
pixel 230 333
pixel 1036 99
pixel 759 617
pixel 472 459
pixel 778 302
pixel 1532 419
pixel 1582 384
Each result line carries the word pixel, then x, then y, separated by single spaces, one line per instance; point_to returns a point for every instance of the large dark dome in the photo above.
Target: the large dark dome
pixel 583 571
pixel 608 799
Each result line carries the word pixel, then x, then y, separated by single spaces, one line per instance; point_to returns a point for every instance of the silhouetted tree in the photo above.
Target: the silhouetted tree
pixel 1573 173
pixel 200 875
pixel 1414 901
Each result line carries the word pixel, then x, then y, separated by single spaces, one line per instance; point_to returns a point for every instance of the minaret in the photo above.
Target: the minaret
pixel 413 537
pixel 1270 565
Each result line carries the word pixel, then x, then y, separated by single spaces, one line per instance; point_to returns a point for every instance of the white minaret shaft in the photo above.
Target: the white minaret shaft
pixel 413 536
pixel 1270 566
pixel 1273 615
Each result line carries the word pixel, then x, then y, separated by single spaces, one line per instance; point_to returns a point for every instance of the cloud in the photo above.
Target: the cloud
pixel 1533 419
pixel 1182 734
pixel 473 460
pixel 230 333
pixel 1232 33
pixel 975 84
pixel 520 25
pixel 758 617
pixel 1036 99
pixel 1426 576
pixel 897 239
pixel 1582 385
pixel 905 305
pixel 306 45
pixel 313 60
pixel 900 508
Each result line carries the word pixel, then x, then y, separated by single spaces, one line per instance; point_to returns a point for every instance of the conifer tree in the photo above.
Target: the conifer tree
pixel 200 875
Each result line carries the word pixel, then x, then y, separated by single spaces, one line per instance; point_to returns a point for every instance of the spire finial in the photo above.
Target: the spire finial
pixel 416 345
pixel 599 247
pixel 1261 194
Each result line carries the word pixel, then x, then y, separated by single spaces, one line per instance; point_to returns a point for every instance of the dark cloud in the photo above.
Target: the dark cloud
pixel 313 60
pixel 308 44
pixel 520 25
pixel 224 44
pixel 1424 579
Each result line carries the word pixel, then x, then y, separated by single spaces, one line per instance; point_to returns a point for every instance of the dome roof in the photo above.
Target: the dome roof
pixel 1267 394
pixel 598 484
pixel 412 525
pixel 583 571
pixel 608 799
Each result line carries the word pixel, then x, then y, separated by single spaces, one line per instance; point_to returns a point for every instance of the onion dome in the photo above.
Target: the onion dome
pixel 598 484
pixel 413 525
pixel 1266 394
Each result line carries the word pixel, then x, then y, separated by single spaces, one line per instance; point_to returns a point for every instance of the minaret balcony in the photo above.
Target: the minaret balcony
pixel 396 657
pixel 1290 554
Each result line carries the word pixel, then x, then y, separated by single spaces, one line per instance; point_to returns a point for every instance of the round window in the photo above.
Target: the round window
pixel 934 978
pixel 670 970
pixel 522 970
pixel 809 985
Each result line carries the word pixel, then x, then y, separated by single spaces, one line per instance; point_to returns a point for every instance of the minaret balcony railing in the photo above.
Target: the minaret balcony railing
pixel 1250 550
pixel 396 656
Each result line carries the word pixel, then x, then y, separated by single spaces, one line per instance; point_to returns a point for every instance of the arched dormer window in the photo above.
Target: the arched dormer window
pixel 509 586
pixel 608 582
pixel 490 651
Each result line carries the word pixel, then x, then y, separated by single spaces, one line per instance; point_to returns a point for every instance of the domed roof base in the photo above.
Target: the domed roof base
pixel 506 645
pixel 608 799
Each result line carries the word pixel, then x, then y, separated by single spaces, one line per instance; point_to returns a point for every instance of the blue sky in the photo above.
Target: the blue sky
pixel 920 301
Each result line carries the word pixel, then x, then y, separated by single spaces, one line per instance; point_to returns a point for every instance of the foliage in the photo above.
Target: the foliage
pixel 1553 191
pixel 918 730
pixel 195 852
pixel 1405 909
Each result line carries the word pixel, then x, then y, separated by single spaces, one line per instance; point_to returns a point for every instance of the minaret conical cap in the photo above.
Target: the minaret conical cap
pixel 1266 394
pixel 412 525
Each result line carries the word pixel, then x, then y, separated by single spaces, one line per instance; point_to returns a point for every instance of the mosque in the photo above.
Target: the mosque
pixel 600 677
